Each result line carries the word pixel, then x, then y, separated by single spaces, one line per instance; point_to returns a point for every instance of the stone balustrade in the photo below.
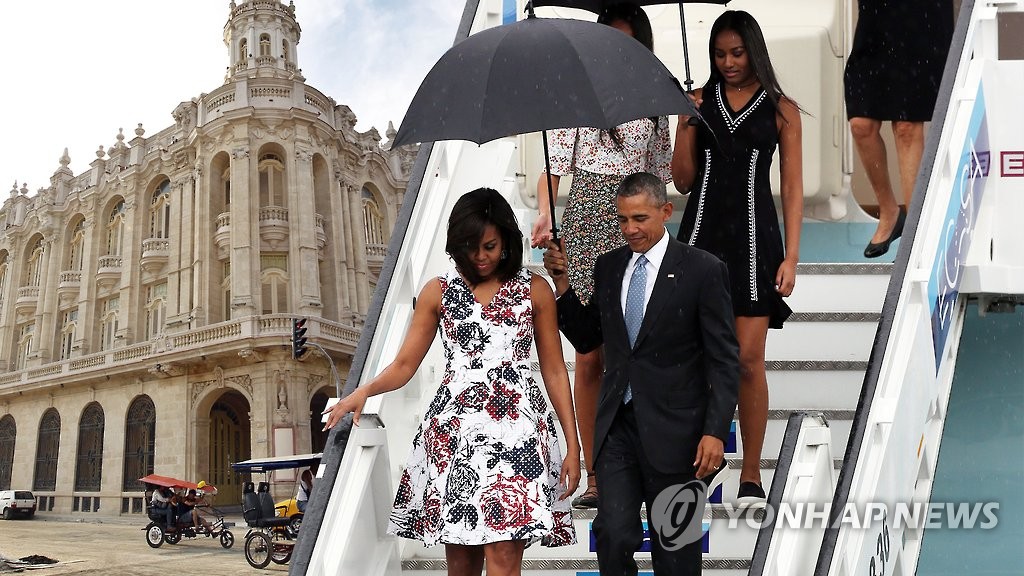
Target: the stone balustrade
pixel 255 331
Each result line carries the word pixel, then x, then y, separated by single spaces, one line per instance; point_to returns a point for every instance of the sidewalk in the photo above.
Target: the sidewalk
pixel 118 546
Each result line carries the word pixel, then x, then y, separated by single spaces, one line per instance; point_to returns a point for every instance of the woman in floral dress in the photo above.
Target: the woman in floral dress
pixel 485 475
pixel 598 160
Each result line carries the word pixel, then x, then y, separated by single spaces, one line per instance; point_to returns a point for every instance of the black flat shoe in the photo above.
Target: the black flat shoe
pixel 874 250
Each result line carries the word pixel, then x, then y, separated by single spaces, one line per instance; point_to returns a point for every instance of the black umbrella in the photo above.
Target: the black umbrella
pixel 539 74
pixel 597 6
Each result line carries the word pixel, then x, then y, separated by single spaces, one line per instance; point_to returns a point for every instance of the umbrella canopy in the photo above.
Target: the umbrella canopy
pixel 598 6
pixel 539 74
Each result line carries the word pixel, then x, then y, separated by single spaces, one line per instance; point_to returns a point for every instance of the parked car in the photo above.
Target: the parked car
pixel 17 503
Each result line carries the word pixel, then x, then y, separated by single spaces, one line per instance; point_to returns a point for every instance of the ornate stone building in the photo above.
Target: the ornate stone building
pixel 146 304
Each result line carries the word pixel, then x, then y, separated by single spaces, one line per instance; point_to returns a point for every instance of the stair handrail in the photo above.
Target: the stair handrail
pixel 803 475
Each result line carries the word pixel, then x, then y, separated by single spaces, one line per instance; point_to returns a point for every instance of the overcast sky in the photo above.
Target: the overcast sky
pixel 77 71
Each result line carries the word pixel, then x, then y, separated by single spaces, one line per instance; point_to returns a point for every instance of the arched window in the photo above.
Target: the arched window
pixel 26 333
pixel 115 229
pixel 264 44
pixel 46 452
pixel 89 464
pixel 272 186
pixel 160 211
pixel 139 443
pixel 8 434
pixel 3 280
pixel 67 332
pixel 156 309
pixel 274 280
pixel 243 49
pixel 284 51
pixel 226 178
pixel 108 322
pixel 34 266
pixel 225 289
pixel 373 222
pixel 76 246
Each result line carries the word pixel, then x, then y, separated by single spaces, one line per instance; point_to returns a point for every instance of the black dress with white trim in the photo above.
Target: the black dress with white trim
pixel 730 212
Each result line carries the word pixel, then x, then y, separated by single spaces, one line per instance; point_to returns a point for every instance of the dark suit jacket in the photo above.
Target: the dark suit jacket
pixel 684 368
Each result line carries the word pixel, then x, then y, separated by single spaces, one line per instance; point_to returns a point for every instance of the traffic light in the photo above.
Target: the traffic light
pixel 298 337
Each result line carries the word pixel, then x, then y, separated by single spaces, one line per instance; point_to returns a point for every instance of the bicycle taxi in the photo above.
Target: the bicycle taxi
pixel 273 527
pixel 159 531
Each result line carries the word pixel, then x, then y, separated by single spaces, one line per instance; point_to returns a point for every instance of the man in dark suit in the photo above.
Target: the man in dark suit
pixel 663 313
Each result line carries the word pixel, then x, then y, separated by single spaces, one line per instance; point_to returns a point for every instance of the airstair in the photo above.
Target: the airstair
pixel 860 378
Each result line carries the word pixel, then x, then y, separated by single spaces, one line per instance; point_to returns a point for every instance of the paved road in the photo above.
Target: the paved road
pixel 119 548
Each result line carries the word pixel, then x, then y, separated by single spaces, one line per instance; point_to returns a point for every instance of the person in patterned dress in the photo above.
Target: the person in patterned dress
pixel 598 160
pixel 485 475
pixel 724 167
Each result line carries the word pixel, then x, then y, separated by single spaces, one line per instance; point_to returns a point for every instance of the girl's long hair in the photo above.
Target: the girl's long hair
pixel 743 24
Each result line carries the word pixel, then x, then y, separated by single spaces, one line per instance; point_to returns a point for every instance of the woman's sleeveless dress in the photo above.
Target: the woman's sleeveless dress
pixel 484 465
pixel 731 212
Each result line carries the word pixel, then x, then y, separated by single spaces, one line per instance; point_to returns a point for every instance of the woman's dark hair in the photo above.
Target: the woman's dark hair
pixel 633 15
pixel 637 19
pixel 743 24
pixel 471 214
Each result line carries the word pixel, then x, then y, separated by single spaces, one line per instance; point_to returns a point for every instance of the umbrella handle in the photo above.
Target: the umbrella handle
pixel 551 192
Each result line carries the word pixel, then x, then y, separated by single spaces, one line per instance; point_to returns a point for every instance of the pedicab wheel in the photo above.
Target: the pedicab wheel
pixel 154 535
pixel 257 550
pixel 227 539
pixel 282 554
pixel 172 537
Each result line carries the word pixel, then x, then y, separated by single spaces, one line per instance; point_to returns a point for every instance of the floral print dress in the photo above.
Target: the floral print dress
pixel 484 465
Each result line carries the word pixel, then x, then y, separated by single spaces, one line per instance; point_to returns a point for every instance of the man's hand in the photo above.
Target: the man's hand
pixel 709 455
pixel 556 264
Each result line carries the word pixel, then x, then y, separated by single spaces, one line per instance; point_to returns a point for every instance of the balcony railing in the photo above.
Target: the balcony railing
pixel 254 331
pixel 270 213
pixel 155 252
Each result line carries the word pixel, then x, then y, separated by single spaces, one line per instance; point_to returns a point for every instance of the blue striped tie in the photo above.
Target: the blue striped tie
pixel 634 314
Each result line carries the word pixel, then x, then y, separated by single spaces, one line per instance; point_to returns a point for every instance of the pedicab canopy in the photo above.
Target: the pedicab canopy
pixel 278 463
pixel 169 482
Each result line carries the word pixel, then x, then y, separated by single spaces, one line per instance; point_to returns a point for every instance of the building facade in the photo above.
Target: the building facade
pixel 146 304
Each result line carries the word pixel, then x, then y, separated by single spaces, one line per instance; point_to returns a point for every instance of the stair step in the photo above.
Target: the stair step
pixel 848 287
pixel 849 341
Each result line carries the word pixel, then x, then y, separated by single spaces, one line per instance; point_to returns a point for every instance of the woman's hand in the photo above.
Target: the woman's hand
pixel 785 278
pixel 541 233
pixel 353 403
pixel 570 476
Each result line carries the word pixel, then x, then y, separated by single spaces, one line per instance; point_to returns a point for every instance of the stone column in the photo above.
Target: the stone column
pixel 359 250
pixel 136 229
pixel 305 277
pixel 244 232
pixel 91 248
pixel 351 232
pixel 47 304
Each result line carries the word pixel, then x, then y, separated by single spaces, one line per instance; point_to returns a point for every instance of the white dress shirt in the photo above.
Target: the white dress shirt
pixel 654 255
